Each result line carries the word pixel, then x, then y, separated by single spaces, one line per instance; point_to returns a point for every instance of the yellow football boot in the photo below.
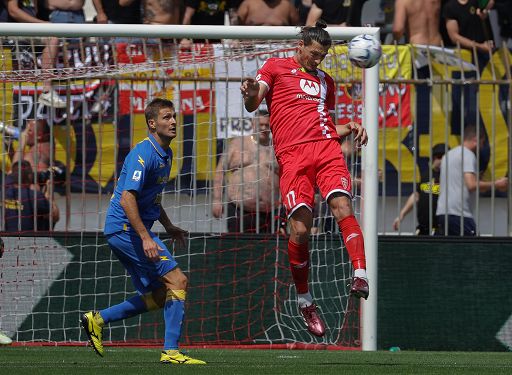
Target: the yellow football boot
pixel 93 326
pixel 175 357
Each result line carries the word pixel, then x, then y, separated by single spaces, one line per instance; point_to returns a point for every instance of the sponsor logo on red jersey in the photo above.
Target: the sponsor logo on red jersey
pixel 309 87
pixel 299 103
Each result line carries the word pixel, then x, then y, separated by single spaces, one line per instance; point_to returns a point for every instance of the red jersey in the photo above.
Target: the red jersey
pixel 299 103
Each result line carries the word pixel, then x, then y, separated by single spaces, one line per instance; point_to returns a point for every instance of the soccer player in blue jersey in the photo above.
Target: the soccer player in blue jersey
pixel 134 207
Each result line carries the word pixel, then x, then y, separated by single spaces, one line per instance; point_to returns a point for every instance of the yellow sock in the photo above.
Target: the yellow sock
pixel 177 294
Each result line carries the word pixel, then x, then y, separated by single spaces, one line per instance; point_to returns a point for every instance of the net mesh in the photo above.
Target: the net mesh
pixel 240 290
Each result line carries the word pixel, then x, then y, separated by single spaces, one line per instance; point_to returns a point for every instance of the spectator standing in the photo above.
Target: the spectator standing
pixel 267 13
pixel 336 12
pixel 425 197
pixel 303 7
pixel 4 15
pixel 252 183
pixel 504 10
pixel 35 146
pixel 468 25
pixel 419 20
pixel 158 12
pixel 110 11
pixel 205 12
pixel 26 207
pixel 61 11
pixel 22 11
pixel 458 185
pixel 355 13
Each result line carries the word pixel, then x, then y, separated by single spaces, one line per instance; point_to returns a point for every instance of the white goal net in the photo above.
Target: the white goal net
pixel 240 290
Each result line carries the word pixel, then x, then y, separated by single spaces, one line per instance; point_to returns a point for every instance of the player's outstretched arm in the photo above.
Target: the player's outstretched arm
pixel 176 233
pixel 253 93
pixel 129 203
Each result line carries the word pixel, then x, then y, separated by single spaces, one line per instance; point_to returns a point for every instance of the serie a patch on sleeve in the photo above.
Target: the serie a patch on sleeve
pixel 136 175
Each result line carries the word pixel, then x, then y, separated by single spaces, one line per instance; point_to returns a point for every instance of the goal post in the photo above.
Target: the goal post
pixel 370 83
pixel 370 192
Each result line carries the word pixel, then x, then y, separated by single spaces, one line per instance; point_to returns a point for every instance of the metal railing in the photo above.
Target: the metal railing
pixel 428 96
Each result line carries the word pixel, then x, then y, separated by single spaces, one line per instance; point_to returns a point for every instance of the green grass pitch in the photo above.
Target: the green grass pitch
pixel 81 360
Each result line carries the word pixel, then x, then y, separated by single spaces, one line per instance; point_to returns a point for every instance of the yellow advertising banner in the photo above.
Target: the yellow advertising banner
pixel 195 147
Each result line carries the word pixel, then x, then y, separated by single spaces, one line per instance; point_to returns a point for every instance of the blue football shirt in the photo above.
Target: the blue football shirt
pixel 145 170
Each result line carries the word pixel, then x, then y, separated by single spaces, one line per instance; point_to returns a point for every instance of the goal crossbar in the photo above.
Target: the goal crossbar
pixel 172 31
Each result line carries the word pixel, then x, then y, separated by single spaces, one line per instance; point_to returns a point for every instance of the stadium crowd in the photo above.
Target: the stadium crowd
pixel 433 22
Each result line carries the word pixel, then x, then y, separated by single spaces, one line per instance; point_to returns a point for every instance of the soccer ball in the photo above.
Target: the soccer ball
pixel 364 51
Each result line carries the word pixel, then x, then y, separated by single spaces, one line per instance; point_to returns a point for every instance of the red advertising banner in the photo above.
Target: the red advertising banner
pixel 394 105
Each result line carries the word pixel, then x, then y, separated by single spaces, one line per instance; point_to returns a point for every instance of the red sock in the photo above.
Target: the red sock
pixel 354 241
pixel 298 256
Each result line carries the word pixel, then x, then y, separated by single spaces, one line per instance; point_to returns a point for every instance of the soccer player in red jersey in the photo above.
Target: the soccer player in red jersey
pixel 300 98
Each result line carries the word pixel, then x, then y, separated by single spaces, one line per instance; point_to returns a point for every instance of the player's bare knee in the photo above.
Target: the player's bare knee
pixel 341 206
pixel 182 282
pixel 175 280
pixel 300 224
pixel 299 232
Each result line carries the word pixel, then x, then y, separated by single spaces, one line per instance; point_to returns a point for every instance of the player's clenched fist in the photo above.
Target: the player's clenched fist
pixel 151 249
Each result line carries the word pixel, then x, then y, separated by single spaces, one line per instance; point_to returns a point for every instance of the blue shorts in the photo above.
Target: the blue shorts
pixel 469 226
pixel 145 274
pixel 67 16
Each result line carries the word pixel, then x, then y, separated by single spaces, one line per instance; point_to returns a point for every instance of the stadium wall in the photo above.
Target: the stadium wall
pixel 493 213
pixel 434 293
pixel 445 294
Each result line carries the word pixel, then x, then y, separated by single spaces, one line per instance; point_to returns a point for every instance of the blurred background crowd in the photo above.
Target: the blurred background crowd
pixel 401 20
pixel 479 26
